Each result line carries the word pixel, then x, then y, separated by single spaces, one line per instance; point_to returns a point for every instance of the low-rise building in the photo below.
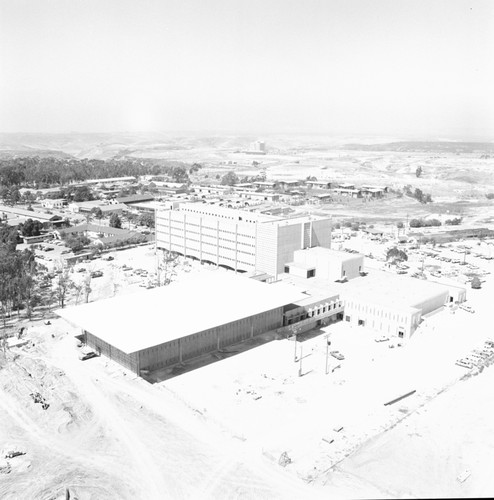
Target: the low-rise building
pixel 351 193
pixel 319 184
pixel 89 206
pixel 51 203
pixel 203 313
pixel 394 305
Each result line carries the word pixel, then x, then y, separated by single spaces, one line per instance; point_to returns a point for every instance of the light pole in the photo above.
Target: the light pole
pixel 328 343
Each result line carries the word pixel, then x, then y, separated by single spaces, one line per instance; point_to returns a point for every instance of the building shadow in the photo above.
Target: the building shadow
pixel 163 374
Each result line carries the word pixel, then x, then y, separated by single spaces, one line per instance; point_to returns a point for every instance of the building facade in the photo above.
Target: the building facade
pixel 236 239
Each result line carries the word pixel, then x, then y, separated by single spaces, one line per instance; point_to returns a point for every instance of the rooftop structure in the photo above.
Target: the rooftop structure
pixel 326 264
pixel 135 198
pixel 110 179
pixel 88 206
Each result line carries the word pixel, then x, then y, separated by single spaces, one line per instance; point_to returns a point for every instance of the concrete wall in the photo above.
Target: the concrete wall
pixel 432 302
pixel 351 268
pixel 220 241
pixel 266 248
pixel 321 233
pixel 385 320
pixel 129 361
pixel 290 238
pixel 330 267
pixel 189 347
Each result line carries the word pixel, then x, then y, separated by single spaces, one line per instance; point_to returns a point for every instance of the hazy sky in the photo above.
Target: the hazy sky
pixel 398 67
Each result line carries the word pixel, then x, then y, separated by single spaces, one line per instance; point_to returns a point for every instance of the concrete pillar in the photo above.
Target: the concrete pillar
pixel 200 239
pixel 217 243
pixel 185 235
pixel 236 247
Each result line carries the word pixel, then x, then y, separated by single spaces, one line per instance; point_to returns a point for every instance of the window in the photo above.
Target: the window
pixel 287 269
pixel 311 273
pixel 347 318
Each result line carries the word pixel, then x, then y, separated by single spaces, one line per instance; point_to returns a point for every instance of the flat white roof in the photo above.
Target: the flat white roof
pixel 396 291
pixel 329 253
pixel 200 301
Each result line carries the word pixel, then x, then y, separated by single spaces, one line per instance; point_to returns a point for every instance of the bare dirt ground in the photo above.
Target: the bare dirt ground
pixel 108 435
pixel 220 430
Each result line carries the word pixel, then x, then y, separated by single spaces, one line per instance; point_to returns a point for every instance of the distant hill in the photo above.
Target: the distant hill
pixel 26 151
pixel 425 147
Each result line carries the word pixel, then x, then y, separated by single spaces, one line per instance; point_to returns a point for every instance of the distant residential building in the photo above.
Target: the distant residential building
pixel 319 184
pixel 53 203
pixel 134 198
pixel 237 239
pixel 346 185
pixel 88 206
pixel 351 193
pixel 113 180
pixel 371 192
pixel 265 184
pixel 257 148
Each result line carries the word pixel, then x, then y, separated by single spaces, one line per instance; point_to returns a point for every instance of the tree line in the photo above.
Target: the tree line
pixel 38 173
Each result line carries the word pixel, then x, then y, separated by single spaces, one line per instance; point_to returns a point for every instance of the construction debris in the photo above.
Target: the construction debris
pixel 284 459
pixel 38 398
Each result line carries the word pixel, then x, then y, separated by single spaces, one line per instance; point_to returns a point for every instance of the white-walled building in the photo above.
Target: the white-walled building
pixel 52 203
pixel 394 305
pixel 238 239
pixel 325 264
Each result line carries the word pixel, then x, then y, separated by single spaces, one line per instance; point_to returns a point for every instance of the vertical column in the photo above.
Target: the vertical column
pixel 200 239
pixel 169 231
pixel 236 247
pixel 185 234
pixel 217 243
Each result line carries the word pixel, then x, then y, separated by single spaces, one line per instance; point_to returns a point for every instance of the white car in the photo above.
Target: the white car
pixel 382 338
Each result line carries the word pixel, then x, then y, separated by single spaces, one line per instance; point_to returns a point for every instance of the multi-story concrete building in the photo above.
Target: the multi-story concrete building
pixel 238 239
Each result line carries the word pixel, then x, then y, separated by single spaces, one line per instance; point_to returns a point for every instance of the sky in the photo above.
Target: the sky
pixel 419 68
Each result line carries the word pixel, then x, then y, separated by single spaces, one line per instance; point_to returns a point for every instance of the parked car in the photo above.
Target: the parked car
pixel 467 308
pixel 337 355
pixel 382 338
pixel 96 274
pixel 109 257
pixel 87 355
pixel 463 363
pixel 67 250
pixel 81 270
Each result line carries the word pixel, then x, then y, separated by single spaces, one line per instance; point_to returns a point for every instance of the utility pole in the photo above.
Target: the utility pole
pixel 300 362
pixel 328 343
